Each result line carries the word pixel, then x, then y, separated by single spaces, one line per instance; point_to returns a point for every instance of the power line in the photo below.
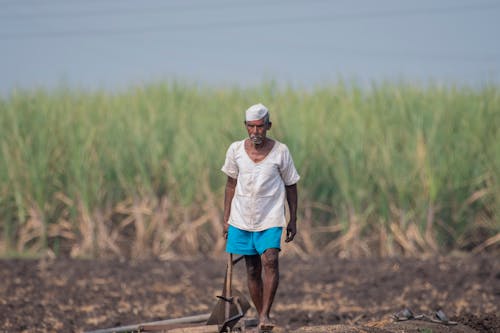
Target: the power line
pixel 120 11
pixel 235 5
pixel 231 4
pixel 254 22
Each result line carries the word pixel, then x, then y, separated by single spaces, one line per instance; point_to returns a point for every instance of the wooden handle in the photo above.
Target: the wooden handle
pixel 229 277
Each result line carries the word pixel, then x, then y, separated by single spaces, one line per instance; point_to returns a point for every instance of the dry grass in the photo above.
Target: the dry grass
pixel 150 227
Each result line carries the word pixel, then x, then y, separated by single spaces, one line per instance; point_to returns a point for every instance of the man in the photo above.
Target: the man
pixel 260 177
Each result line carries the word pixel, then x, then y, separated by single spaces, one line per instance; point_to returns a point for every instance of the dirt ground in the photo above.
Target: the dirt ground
pixel 66 295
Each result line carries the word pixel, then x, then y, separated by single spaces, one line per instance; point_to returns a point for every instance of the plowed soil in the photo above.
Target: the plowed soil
pixel 321 294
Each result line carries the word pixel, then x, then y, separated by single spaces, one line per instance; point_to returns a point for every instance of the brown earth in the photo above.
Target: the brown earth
pixel 322 294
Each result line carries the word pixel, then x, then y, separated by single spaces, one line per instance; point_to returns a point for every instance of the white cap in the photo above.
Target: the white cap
pixel 256 112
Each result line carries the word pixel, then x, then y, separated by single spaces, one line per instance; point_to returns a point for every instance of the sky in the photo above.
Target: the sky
pixel 115 44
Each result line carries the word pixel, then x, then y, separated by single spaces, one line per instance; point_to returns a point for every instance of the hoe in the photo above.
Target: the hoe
pixel 231 306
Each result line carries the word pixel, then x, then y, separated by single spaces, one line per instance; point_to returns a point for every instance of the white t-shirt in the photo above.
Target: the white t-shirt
pixel 259 198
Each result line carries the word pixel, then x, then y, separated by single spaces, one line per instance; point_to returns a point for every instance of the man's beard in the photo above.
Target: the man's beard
pixel 257 139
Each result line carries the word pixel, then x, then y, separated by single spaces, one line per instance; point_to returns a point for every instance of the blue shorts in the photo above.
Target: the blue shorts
pixel 253 242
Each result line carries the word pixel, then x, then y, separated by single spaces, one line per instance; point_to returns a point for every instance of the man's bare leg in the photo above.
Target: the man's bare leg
pixel 254 280
pixel 263 290
pixel 271 281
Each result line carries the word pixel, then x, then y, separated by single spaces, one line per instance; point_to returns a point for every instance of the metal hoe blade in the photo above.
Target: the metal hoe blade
pixel 231 306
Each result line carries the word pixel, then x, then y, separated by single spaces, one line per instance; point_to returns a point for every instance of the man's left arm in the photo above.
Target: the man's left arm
pixel 291 198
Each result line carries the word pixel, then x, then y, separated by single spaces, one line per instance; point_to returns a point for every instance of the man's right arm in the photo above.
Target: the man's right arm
pixel 228 198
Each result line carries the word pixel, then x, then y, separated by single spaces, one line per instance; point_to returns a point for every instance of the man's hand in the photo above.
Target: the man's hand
pixel 291 198
pixel 226 229
pixel 291 231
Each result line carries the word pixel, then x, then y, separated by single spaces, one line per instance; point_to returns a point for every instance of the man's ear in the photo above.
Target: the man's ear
pixel 269 124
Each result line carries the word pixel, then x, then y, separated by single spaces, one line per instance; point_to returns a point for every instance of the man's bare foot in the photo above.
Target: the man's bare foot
pixel 266 325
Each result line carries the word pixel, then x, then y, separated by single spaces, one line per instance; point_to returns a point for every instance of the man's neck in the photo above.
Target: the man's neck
pixel 258 152
pixel 260 146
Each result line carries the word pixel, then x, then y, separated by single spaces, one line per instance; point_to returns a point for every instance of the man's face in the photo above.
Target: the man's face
pixel 257 130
